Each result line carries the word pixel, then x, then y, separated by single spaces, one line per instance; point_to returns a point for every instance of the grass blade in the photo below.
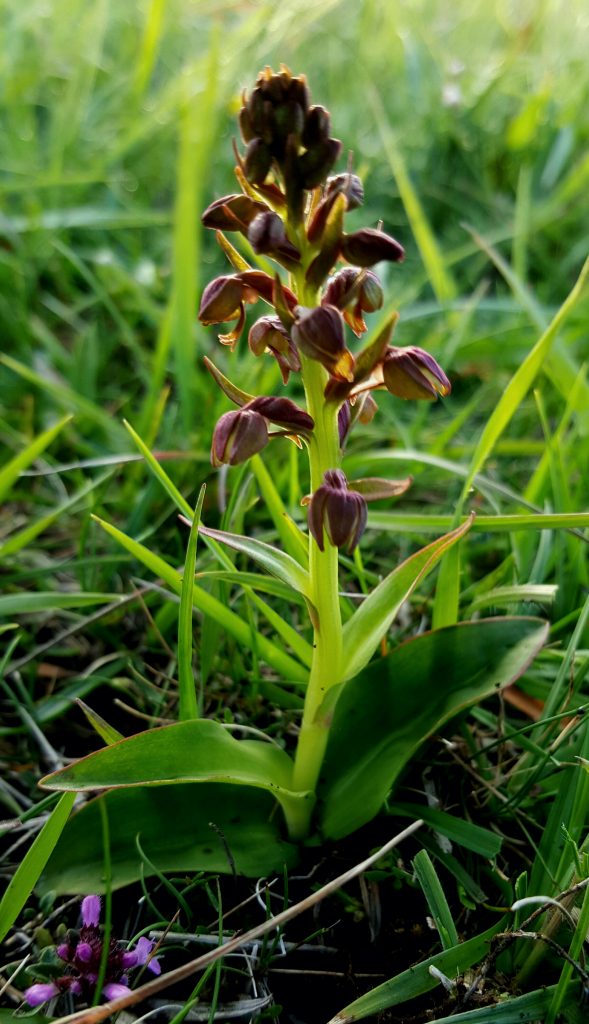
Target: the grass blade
pixel 436 900
pixel 25 877
pixel 12 470
pixel 187 692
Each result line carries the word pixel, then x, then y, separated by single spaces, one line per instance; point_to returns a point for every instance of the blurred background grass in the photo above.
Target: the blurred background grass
pixel 116 128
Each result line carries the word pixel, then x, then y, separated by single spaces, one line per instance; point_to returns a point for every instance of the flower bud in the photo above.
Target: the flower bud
pixel 258 160
pixel 238 435
pixel 316 163
pixel 369 246
pixel 319 334
pixel 317 127
pixel 232 213
pixel 283 413
pixel 41 993
pixel 349 185
pixel 413 373
pixel 266 234
pixel 269 334
pixel 338 510
pixel 344 423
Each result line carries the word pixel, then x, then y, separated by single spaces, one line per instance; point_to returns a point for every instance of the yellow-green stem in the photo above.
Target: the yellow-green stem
pixel 326 668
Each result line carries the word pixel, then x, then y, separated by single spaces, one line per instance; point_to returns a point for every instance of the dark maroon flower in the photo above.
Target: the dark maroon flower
pixel 237 436
pixel 413 373
pixel 337 510
pixel 267 235
pixel 368 246
pixel 319 334
pixel 268 334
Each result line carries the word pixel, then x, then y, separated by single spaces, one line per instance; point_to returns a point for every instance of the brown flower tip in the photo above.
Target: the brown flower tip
pixel 339 511
pixel 413 373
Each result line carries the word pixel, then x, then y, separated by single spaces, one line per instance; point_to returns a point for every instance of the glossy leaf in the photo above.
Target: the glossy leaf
pixel 191 751
pixel 384 714
pixel 185 827
pixel 364 631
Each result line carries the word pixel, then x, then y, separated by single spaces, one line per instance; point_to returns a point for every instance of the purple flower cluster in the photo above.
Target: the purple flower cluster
pixel 82 955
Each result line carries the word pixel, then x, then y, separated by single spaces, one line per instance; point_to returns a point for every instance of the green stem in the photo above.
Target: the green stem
pixel 326 668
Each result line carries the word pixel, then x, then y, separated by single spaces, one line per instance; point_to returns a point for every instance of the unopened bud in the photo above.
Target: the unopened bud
pixel 368 246
pixel 267 234
pixel 317 127
pixel 319 334
pixel 413 373
pixel 338 510
pixel 258 160
pixel 238 435
pixel 316 163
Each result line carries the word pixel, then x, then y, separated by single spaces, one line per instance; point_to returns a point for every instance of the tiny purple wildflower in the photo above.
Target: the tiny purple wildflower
pixel 82 955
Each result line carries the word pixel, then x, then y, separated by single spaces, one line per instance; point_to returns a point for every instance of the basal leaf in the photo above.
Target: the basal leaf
pixel 363 632
pixel 186 827
pixel 386 712
pixel 190 751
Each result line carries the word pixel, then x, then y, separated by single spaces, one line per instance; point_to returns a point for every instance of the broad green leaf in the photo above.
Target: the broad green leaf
pixel 185 828
pixel 387 711
pixel 27 873
pixel 417 979
pixel 191 751
pixel 12 470
pixel 210 605
pixel 364 631
pixel 50 600
pixel 275 561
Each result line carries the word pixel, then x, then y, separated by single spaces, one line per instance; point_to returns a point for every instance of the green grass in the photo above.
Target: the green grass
pixel 467 124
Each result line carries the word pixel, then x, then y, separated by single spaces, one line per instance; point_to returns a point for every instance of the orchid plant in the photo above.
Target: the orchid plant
pixel 362 718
